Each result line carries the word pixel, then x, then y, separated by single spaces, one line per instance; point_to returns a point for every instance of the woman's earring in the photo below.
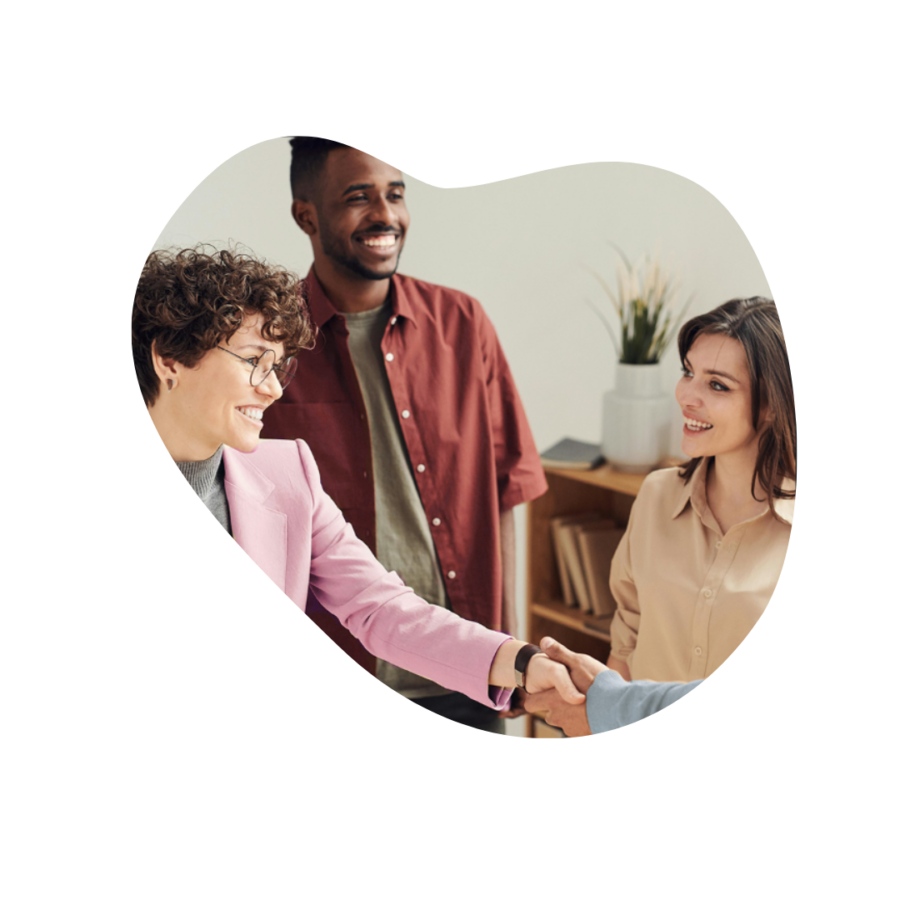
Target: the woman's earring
pixel 170 384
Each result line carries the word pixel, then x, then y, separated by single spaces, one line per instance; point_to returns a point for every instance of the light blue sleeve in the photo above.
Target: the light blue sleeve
pixel 613 702
pixel 859 708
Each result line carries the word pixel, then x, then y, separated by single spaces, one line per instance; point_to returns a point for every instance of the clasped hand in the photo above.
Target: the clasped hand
pixel 561 701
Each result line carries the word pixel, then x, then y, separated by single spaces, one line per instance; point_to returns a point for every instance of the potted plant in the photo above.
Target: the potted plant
pixel 636 421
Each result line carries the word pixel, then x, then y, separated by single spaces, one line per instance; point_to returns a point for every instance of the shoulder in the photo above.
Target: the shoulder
pixel 661 486
pixel 662 491
pixel 784 506
pixel 440 298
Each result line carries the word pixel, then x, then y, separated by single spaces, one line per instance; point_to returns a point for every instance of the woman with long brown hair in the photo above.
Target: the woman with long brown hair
pixel 705 543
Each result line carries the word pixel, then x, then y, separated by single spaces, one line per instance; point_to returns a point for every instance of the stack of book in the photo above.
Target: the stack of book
pixel 585 545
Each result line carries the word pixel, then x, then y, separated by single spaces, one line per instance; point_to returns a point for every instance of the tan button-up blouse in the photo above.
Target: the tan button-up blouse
pixel 687 594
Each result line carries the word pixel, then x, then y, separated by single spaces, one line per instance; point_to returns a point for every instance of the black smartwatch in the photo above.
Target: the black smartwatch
pixel 523 657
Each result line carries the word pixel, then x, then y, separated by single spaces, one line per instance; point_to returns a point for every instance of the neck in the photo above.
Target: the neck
pixel 731 474
pixel 347 291
pixel 182 446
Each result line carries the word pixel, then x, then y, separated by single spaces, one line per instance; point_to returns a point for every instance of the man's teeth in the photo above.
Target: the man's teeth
pixel 251 412
pixel 384 240
pixel 694 425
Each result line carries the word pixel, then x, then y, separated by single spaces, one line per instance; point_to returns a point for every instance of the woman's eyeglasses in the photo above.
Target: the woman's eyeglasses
pixel 264 365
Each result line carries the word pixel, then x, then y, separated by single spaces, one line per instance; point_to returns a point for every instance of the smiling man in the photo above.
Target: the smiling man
pixel 409 407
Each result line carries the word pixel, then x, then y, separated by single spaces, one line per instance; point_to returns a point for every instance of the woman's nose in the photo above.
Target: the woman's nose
pixel 688 395
pixel 271 386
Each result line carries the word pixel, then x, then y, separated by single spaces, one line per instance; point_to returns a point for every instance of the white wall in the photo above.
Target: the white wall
pixel 520 247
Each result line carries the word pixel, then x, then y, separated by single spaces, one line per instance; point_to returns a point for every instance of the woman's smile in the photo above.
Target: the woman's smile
pixel 253 413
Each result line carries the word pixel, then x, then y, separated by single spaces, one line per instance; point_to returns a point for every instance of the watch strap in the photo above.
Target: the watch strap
pixel 523 657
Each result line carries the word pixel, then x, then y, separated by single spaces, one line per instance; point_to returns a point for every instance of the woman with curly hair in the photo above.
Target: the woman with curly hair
pixel 214 336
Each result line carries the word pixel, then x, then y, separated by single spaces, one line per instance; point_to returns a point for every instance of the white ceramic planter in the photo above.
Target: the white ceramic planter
pixel 636 419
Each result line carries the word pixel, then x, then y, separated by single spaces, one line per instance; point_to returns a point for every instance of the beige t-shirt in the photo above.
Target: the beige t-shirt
pixel 402 533
pixel 687 595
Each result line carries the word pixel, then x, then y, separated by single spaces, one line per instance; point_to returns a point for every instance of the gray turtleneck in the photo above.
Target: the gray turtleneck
pixel 203 574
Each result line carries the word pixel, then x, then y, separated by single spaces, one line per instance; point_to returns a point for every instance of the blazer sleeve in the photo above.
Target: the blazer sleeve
pixel 388 619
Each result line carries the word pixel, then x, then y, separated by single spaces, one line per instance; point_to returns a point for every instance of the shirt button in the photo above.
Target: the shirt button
pixel 390 357
pixel 698 651
pixel 451 574
pixel 707 593
pixel 435 522
pixel 420 468
pixel 394 320
pixel 718 545
pixel 405 414
pixel 365 474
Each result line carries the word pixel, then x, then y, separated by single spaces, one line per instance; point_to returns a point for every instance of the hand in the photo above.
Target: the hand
pixel 583 668
pixel 545 674
pixel 516 705
pixel 555 711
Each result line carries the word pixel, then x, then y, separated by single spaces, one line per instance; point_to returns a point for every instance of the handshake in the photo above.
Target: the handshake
pixel 558 694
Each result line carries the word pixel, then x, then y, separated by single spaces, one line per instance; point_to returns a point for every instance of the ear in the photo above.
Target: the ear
pixel 166 369
pixel 304 214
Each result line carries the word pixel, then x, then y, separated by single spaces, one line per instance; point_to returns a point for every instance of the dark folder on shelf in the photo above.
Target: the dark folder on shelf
pixel 571 454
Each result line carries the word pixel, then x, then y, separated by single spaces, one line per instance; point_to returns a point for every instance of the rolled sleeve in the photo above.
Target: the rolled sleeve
pixel 520 475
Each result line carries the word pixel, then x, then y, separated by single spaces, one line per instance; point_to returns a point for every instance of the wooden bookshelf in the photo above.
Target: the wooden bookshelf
pixel 570 491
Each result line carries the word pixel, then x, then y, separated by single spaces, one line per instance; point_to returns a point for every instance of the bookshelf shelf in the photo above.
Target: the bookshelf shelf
pixel 555 610
pixel 570 491
pixel 605 477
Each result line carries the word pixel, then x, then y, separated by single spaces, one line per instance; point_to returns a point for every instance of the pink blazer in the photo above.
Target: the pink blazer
pixel 292 529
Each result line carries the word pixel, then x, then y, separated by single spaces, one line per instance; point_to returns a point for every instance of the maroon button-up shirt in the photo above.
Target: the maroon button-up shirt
pixel 469 443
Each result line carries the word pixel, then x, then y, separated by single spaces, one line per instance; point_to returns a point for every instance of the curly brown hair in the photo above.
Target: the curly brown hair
pixel 188 301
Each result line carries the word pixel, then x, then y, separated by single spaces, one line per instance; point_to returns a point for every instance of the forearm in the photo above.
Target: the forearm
pixel 503 673
pixel 612 703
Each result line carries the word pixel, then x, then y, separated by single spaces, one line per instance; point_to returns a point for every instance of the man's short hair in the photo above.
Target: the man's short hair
pixel 188 301
pixel 308 155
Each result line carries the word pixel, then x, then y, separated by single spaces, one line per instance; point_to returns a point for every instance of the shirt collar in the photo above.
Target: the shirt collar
pixel 322 309
pixel 694 492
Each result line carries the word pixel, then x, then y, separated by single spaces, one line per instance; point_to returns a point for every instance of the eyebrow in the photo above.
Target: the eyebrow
pixel 259 347
pixel 365 187
pixel 714 372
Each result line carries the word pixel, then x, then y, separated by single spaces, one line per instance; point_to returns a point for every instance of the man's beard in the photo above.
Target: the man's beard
pixel 330 247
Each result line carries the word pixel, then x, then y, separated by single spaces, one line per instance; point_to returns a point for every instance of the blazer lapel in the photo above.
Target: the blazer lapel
pixel 259 530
